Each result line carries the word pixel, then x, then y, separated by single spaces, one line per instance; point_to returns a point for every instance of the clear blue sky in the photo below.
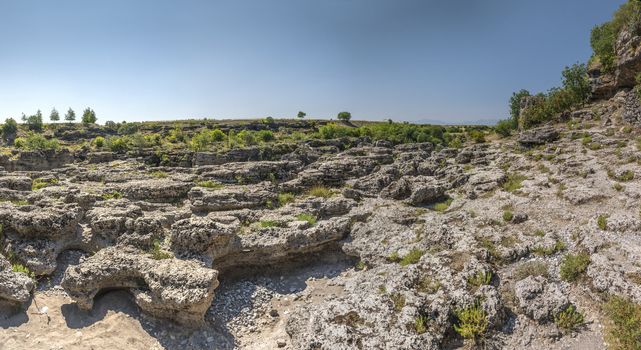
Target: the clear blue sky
pixel 404 59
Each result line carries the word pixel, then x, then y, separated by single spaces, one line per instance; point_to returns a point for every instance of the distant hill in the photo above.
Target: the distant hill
pixel 446 122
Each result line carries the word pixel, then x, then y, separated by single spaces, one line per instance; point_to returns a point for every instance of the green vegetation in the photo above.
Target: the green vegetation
pixel 320 191
pixel 508 216
pixel 617 186
pixel 89 116
pixel 547 251
pixel 514 182
pixel 159 174
pixel 420 324
pixel 602 222
pixel 54 116
pixel 624 328
pixel 42 183
pixel 9 129
pixel 311 219
pixel 442 206
pixel 344 116
pixel 36 142
pixel 270 223
pixel 568 319
pixel 157 252
pixel 111 195
pixel 413 257
pixel 531 268
pixel 398 300
pixel 427 285
pixel 70 116
pixel 471 322
pixel 99 142
pixel 481 278
pixel 16 267
pixel 210 184
pixel 573 266
pixel 604 36
pixel 285 198
pixel 301 115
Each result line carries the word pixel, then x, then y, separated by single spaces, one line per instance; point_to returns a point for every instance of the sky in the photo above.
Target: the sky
pixel 135 60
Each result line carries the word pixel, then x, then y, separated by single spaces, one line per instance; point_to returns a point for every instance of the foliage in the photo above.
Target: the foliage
pixel 246 137
pixel 398 300
pixel 344 116
pixel 624 330
pixel 515 104
pixel 42 183
pixel 34 122
pixel 508 216
pixel 568 319
pixel 481 278
pixel 99 142
pixel 111 195
pixel 604 36
pixel 210 184
pixel 311 219
pixel 505 127
pixel 602 222
pixel 301 115
pixel 157 252
pixel 117 144
pixel 16 267
pixel 285 197
pixel 413 257
pixel 442 206
pixel 70 116
pixel 550 250
pixel 513 182
pixel 36 142
pixel 420 324
pixel 54 116
pixel 471 322
pixel 320 191
pixel 10 127
pixel 265 136
pixel 203 140
pixel 573 266
pixel 270 223
pixel 89 116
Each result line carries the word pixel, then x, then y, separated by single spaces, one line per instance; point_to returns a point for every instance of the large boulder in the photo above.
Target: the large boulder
pixel 538 136
pixel 168 288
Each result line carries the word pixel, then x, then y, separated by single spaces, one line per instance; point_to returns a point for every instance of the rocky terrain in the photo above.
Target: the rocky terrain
pixel 330 236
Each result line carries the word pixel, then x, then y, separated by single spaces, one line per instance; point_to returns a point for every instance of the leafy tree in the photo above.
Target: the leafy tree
pixel 301 115
pixel 34 122
pixel 70 116
pixel 575 81
pixel 89 116
pixel 515 104
pixel 10 128
pixel 604 36
pixel 54 116
pixel 111 125
pixel 344 116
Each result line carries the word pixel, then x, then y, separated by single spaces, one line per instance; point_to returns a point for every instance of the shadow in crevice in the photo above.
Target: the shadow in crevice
pixel 12 314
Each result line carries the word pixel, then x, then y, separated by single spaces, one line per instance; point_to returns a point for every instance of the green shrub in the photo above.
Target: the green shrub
pixel 398 300
pixel 604 36
pixel 505 127
pixel 547 251
pixel 515 106
pixel 36 142
pixel 344 116
pixel 210 184
pixel 442 206
pixel 413 257
pixel 311 219
pixel 270 223
pixel 471 322
pixel 602 222
pixel 624 328
pixel 420 324
pixel 246 137
pixel 157 252
pixel 320 191
pixel 514 182
pixel 285 198
pixel 159 174
pixel 117 144
pixel 265 136
pixel 573 266
pixel 42 183
pixel 10 128
pixel 568 319
pixel 16 267
pixel 394 258
pixel 111 195
pixel 99 142
pixel 203 140
pixel 508 216
pixel 481 278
